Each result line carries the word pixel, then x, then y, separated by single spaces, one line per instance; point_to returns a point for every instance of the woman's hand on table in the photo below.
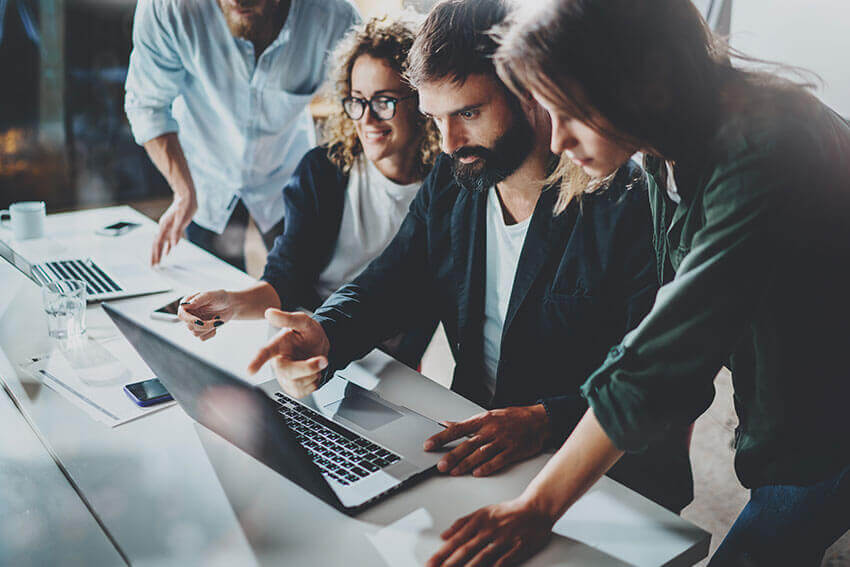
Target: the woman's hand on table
pixel 501 534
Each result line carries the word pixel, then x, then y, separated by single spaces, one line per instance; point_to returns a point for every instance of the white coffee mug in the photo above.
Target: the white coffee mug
pixel 26 218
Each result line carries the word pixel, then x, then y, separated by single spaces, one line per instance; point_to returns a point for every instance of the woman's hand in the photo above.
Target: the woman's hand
pixel 205 312
pixel 501 534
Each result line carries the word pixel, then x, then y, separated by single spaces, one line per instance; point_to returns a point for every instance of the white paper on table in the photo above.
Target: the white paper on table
pixel 92 377
pixel 38 249
pixel 407 542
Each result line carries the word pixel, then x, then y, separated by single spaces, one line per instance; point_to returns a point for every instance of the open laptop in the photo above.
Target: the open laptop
pixel 344 444
pixel 102 281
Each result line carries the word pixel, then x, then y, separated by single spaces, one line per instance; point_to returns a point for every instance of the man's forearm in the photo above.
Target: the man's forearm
pixel 585 456
pixel 166 153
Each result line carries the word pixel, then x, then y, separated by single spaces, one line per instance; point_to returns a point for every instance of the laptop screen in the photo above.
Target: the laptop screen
pixel 241 413
pixel 18 261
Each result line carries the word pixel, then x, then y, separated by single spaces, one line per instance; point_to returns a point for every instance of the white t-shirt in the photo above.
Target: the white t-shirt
pixel 672 188
pixel 372 213
pixel 504 245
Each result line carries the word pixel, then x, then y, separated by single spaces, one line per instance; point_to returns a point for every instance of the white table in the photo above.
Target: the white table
pixel 40 509
pixel 152 483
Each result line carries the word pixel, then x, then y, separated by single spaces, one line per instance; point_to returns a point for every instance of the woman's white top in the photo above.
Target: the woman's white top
pixel 372 214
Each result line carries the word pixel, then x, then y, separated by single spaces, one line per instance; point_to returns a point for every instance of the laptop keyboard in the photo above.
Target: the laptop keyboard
pixel 97 282
pixel 342 455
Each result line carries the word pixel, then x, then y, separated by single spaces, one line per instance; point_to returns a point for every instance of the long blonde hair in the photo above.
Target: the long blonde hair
pixel 390 41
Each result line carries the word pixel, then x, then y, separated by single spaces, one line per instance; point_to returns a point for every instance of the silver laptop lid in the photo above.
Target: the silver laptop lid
pixel 19 262
pixel 227 405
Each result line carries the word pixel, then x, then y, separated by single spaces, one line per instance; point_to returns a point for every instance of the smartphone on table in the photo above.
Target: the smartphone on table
pixel 117 229
pixel 148 392
pixel 167 312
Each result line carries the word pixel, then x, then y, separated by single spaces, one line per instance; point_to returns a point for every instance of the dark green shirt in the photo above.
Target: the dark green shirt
pixel 756 265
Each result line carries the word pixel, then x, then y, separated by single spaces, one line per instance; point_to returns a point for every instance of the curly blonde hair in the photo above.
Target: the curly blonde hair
pixel 390 41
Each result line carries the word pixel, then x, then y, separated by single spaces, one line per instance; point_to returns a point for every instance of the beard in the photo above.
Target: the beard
pixel 497 163
pixel 253 28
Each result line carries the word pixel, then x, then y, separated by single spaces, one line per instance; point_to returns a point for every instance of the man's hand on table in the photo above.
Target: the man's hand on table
pixel 497 438
pixel 172 224
pixel 299 352
pixel 499 535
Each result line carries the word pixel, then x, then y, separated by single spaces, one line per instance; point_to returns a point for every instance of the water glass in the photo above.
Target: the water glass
pixel 65 305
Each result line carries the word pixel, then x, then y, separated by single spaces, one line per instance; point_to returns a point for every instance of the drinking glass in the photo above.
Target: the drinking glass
pixel 65 305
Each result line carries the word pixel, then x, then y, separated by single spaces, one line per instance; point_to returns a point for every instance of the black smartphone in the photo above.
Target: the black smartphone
pixel 167 312
pixel 148 392
pixel 118 228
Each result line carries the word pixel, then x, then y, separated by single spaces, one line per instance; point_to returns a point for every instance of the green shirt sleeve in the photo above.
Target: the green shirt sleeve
pixel 661 375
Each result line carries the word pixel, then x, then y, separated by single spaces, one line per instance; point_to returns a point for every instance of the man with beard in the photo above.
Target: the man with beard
pixel 217 92
pixel 530 298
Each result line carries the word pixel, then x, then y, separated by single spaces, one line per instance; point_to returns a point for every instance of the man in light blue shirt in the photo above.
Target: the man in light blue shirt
pixel 217 92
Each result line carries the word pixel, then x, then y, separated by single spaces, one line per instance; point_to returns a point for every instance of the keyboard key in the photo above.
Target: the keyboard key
pixel 72 268
pixel 101 273
pixel 340 454
pixel 88 275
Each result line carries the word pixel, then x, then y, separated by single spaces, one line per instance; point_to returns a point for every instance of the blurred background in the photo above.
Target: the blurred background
pixel 64 137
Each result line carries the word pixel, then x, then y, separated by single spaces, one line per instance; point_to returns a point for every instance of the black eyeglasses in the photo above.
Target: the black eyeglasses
pixel 383 107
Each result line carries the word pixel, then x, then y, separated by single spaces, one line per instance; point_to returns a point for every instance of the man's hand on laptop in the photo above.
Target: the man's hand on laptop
pixel 205 312
pixel 299 352
pixel 496 439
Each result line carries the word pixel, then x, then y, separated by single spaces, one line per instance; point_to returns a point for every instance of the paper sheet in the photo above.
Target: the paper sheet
pixel 90 375
pixel 409 541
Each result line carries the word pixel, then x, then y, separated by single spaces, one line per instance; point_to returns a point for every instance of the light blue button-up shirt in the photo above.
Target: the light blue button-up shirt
pixel 242 125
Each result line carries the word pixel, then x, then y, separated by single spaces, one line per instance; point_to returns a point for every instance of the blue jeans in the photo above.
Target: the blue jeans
pixel 788 525
pixel 229 245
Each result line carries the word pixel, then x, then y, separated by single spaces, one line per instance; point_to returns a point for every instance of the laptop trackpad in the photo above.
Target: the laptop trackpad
pixel 364 411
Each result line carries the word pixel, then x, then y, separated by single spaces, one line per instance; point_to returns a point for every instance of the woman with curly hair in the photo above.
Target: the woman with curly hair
pixel 348 196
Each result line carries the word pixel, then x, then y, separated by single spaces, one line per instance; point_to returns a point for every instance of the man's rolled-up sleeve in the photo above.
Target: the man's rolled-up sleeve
pixel 661 375
pixel 156 73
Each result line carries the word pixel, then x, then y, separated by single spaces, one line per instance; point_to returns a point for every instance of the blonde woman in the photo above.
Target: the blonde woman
pixel 347 197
